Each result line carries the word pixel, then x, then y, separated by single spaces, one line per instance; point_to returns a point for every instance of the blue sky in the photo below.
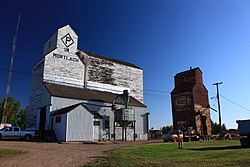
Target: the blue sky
pixel 163 37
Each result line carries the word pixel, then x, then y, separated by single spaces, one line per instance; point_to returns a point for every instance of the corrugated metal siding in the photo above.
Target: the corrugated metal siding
pixel 35 97
pixel 141 123
pixel 58 102
pixel 80 121
pixel 79 125
pixel 60 128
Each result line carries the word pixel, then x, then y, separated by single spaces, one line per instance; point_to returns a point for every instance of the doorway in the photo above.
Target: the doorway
pixel 42 118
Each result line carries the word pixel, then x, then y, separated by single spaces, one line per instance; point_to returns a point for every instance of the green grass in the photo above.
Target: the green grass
pixel 204 154
pixel 8 153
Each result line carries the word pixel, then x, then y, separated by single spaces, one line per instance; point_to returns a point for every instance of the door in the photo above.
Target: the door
pixel 9 133
pixel 52 123
pixel 204 125
pixel 97 130
pixel 16 131
pixel 42 118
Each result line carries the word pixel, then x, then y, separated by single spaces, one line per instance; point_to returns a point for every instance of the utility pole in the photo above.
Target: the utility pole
pixel 4 112
pixel 218 98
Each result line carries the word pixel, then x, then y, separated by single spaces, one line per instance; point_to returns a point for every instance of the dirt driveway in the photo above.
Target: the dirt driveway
pixel 39 154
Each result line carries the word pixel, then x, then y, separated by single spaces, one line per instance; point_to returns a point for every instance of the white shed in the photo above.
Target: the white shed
pixel 76 123
pixel 78 114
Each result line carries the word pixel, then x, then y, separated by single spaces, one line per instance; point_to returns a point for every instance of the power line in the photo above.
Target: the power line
pixel 24 73
pixel 158 91
pixel 21 44
pixel 17 78
pixel 145 90
pixel 23 53
pixel 166 91
pixel 235 103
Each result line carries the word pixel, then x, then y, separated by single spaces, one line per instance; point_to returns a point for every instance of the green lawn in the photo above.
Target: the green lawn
pixel 203 154
pixel 6 152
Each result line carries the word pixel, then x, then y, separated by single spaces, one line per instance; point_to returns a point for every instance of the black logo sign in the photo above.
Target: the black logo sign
pixel 65 57
pixel 67 40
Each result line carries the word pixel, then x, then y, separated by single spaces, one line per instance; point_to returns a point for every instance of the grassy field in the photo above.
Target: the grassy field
pixel 6 152
pixel 203 154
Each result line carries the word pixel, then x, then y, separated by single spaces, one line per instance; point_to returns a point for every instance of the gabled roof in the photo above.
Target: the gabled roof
pixel 67 26
pixel 64 110
pixel 186 81
pixel 111 59
pixel 188 71
pixel 63 91
pixel 72 107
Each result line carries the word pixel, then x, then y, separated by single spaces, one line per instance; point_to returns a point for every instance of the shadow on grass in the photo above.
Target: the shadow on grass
pixel 217 148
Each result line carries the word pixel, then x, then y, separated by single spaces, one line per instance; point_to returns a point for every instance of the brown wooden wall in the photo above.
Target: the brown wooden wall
pixel 190 102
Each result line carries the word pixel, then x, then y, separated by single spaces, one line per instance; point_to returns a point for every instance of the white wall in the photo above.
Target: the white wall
pixel 103 111
pixel 115 77
pixel 79 125
pixel 64 68
pixel 35 98
pixel 60 128
pixel 140 116
pixel 59 38
pixel 59 102
pixel 61 65
pixel 141 123
pixel 140 126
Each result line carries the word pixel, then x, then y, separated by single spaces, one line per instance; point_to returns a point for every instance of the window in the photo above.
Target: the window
pixel 96 123
pixel 58 119
pixel 8 129
pixel 16 129
pixel 66 49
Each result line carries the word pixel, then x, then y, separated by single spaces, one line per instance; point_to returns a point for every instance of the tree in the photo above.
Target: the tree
pixel 166 129
pixel 15 115
pixel 13 108
pixel 22 118
pixel 1 107
pixel 223 127
pixel 216 127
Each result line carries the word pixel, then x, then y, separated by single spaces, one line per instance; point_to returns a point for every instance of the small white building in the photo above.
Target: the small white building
pixel 73 91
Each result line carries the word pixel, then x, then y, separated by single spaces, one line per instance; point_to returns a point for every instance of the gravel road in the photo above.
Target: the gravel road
pixel 41 154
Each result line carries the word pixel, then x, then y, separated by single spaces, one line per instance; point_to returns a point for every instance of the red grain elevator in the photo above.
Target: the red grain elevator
pixel 190 102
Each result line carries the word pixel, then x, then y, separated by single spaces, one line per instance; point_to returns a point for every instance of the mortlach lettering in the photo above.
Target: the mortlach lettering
pixel 65 57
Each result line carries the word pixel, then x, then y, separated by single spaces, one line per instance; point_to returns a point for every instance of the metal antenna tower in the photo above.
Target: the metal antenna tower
pixel 4 112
